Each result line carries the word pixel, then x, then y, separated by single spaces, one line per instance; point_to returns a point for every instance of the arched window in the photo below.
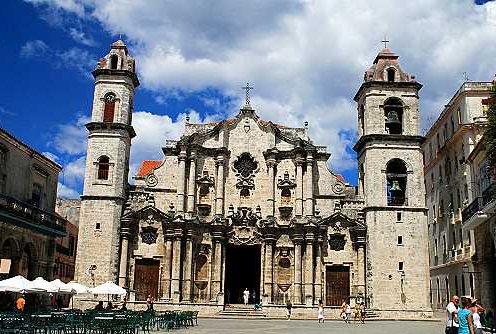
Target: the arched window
pixel 114 60
pixel 396 178
pixel 109 109
pixel 103 168
pixel 390 74
pixel 393 113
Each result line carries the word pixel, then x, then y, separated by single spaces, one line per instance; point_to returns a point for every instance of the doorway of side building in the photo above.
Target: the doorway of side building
pixel 337 285
pixel 146 274
pixel 242 272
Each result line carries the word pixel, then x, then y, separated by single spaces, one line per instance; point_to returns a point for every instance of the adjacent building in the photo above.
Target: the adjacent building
pixel 247 203
pixel 29 226
pixel 450 188
pixel 65 249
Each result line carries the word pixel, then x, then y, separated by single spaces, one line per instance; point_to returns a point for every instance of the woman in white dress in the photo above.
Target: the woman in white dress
pixel 246 295
pixel 320 315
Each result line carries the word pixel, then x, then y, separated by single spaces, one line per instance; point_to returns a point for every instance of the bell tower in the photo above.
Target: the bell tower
pixel 107 167
pixel 391 181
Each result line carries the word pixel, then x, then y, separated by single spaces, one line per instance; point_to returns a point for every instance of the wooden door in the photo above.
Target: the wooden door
pixel 146 278
pixel 337 285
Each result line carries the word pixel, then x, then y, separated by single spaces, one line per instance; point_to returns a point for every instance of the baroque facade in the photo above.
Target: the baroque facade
pixel 249 204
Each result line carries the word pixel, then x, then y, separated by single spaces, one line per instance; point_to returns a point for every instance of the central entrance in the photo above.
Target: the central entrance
pixel 242 272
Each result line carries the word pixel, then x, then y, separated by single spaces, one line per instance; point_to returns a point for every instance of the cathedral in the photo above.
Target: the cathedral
pixel 246 203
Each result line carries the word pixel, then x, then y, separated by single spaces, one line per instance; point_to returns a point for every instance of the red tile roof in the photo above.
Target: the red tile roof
pixel 147 166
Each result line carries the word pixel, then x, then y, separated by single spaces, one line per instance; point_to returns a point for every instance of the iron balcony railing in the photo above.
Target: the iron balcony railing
pixel 27 215
pixel 478 203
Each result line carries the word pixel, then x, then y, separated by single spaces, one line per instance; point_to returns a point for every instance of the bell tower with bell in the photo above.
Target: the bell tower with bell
pixel 391 182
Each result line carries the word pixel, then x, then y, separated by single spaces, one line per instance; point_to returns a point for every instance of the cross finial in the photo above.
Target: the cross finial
pixel 247 88
pixel 465 76
pixel 385 41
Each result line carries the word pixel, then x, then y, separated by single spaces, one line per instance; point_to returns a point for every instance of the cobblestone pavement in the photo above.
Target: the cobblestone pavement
pixel 221 326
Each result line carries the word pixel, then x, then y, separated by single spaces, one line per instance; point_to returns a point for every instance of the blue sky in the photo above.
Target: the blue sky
pixel 305 59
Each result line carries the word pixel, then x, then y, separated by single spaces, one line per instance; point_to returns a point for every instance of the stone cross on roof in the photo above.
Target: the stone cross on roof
pixel 247 88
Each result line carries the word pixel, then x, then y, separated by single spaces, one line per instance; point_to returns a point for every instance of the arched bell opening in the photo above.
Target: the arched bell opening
pixel 393 113
pixel 396 182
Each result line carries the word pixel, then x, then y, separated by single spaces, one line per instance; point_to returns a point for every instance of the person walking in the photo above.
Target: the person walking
pixel 320 315
pixel 246 296
pixel 289 306
pixel 356 313
pixel 476 311
pixel 20 303
pixel 343 310
pixel 348 313
pixel 452 311
pixel 363 312
pixel 465 318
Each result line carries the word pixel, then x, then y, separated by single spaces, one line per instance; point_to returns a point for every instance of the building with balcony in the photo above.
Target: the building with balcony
pixel 479 219
pixel 65 249
pixel 449 190
pixel 29 226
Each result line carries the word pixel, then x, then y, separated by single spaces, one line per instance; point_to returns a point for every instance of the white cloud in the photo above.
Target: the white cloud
pixel 73 172
pixel 65 192
pixel 81 37
pixel 35 48
pixel 71 138
pixel 71 6
pixel 305 58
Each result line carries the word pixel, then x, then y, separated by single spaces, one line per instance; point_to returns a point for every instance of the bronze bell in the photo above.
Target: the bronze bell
pixel 393 119
pixel 395 188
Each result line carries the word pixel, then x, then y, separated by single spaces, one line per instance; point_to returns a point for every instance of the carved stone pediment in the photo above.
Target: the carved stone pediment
pixel 339 222
pixel 206 180
pixel 244 216
pixel 285 182
pixel 244 235
pixel 284 242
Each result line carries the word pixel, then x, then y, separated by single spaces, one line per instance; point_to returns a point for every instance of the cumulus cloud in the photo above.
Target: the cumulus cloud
pixel 305 58
pixel 71 137
pixel 65 192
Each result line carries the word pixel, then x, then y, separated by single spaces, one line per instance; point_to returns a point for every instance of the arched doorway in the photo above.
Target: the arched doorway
pixel 27 262
pixel 10 251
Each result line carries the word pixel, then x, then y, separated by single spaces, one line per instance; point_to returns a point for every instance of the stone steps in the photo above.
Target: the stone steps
pixel 241 311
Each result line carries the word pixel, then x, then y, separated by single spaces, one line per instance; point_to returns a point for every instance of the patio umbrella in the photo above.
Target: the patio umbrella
pixel 62 287
pixel 108 288
pixel 78 288
pixel 15 284
pixel 39 284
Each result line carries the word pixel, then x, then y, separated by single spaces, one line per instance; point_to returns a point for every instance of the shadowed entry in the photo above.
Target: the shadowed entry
pixel 242 271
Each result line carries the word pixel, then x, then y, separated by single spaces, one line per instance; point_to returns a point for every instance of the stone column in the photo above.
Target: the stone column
pixel 216 268
pixel 187 264
pixel 309 186
pixel 318 271
pixel 176 266
pixel 271 200
pixel 219 187
pixel 125 233
pixel 167 267
pixel 192 183
pixel 361 266
pixel 299 186
pixel 297 271
pixel 268 270
pixel 309 270
pixel 181 180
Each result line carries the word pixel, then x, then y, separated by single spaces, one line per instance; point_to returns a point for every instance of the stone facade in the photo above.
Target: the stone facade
pixel 246 203
pixel 28 224
pixel 450 190
pixel 65 248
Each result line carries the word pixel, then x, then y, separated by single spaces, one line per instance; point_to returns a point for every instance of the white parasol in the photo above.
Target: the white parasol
pixel 15 284
pixel 108 288
pixel 39 284
pixel 61 287
pixel 78 288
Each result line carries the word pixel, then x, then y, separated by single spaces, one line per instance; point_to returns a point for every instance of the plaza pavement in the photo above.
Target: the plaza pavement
pixel 224 326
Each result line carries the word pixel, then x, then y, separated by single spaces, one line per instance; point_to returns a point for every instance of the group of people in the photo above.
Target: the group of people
pixel 359 312
pixel 464 316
